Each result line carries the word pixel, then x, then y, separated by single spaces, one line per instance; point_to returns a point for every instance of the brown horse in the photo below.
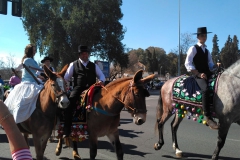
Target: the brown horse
pixel 226 103
pixel 41 122
pixel 108 103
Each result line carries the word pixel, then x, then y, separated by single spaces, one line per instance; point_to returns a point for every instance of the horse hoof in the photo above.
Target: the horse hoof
pixel 57 152
pixel 179 153
pixel 76 157
pixel 157 146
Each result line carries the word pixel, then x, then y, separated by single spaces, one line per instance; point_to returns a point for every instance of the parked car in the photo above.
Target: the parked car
pixel 159 85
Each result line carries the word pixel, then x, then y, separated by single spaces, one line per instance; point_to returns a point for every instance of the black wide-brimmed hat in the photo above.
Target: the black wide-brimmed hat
pixel 82 49
pixel 202 30
pixel 47 58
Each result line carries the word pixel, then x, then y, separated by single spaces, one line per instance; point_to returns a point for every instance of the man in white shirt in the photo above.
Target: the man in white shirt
pixel 84 73
pixel 199 62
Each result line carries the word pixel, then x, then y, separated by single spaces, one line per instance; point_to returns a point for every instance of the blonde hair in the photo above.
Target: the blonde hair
pixel 28 53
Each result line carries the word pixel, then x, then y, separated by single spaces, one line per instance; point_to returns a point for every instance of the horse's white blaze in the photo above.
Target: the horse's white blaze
pixel 63 101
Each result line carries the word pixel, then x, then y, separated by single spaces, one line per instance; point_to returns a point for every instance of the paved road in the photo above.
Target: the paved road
pixel 196 140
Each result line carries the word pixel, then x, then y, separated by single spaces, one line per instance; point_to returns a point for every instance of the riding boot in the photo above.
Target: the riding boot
pixel 210 122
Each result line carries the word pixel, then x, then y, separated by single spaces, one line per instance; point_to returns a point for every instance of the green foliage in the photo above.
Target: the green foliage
pixel 59 26
pixel 230 52
pixel 215 50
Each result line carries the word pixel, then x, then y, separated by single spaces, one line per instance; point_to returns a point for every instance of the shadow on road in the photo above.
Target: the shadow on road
pixel 5 158
pixel 126 121
pixel 195 156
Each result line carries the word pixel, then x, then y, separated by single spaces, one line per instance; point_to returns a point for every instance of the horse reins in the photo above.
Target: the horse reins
pixel 134 110
pixel 56 94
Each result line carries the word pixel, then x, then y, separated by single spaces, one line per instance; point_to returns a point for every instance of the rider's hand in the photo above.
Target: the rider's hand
pixel 100 83
pixel 202 75
pixel 41 77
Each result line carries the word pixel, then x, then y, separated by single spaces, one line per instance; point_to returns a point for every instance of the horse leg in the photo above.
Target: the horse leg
pixel 40 143
pixel 75 151
pixel 222 134
pixel 59 146
pixel 114 140
pixel 174 127
pixel 25 135
pixel 93 140
pixel 164 118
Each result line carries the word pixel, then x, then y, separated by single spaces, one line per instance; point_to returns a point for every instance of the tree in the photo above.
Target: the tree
pixel 155 59
pixel 172 63
pixel 133 59
pixel 215 50
pixel 229 53
pixel 186 42
pixel 59 26
pixel 234 47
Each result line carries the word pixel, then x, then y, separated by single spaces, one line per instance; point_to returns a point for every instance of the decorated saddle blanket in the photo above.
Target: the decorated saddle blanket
pixel 80 112
pixel 186 90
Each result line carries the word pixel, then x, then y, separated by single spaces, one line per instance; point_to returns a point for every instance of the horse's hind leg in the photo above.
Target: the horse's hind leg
pixel 164 118
pixel 222 134
pixel 174 127
pixel 114 140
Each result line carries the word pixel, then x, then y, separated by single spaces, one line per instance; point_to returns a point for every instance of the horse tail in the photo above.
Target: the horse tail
pixel 159 111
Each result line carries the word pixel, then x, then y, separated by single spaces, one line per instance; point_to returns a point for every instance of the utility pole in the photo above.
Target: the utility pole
pixel 179 52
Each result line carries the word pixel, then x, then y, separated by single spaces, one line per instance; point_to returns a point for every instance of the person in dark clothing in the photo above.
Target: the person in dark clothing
pixel 199 62
pixel 84 73
pixel 47 62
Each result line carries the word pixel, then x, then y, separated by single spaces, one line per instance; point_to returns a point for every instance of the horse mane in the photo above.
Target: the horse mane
pixel 234 68
pixel 113 83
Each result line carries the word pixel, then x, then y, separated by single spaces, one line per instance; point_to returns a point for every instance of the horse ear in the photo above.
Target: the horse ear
pixel 63 71
pixel 148 78
pixel 137 76
pixel 48 72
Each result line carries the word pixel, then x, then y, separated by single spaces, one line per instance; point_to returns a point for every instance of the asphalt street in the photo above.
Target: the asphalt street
pixel 196 141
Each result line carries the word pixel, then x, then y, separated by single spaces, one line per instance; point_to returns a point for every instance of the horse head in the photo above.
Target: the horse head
pixel 135 97
pixel 58 86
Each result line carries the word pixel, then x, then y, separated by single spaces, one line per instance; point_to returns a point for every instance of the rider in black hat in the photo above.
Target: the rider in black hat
pixel 46 61
pixel 84 73
pixel 199 62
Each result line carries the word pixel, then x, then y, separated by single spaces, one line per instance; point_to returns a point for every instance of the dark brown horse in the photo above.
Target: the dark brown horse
pixel 110 100
pixel 41 122
pixel 226 103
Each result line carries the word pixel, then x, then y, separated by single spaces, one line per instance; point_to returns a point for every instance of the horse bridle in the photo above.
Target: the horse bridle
pixel 58 95
pixel 130 90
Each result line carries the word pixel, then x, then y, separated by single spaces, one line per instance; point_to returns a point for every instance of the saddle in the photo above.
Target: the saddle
pixel 79 121
pixel 187 97
pixel 187 91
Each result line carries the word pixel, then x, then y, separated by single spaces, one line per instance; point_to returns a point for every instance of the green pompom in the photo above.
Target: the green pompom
pixel 179 115
pixel 177 105
pixel 201 116
pixel 199 121
pixel 198 110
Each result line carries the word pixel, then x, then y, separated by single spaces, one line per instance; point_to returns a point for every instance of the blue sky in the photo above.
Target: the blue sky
pixel 148 23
